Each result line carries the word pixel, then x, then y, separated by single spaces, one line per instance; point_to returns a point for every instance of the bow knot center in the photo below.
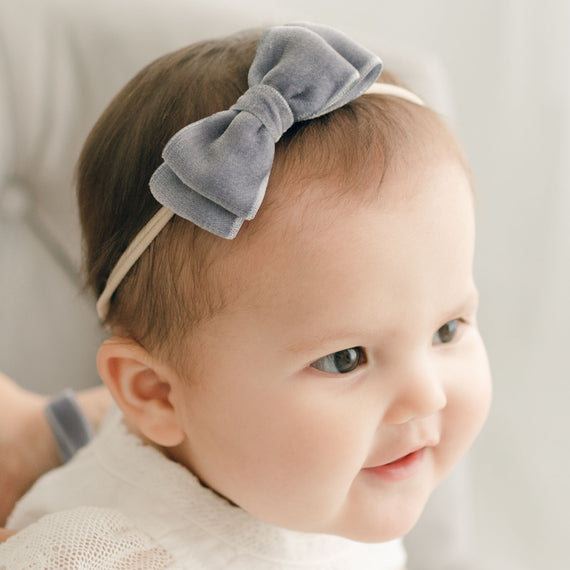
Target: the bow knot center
pixel 269 107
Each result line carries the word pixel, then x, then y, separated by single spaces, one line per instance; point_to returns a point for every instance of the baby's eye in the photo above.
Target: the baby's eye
pixel 341 362
pixel 446 333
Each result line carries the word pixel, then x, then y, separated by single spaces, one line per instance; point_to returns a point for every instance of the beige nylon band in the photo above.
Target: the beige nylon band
pixel 155 225
pixel 130 256
pixel 396 90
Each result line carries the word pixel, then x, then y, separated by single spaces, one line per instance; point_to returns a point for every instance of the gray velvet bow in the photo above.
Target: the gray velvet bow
pixel 215 171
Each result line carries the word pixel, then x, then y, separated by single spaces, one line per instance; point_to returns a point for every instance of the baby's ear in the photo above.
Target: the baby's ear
pixel 141 386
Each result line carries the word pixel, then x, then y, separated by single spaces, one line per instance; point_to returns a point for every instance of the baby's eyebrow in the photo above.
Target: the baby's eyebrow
pixel 328 338
pixel 468 304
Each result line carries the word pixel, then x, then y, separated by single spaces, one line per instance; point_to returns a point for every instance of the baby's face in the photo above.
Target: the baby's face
pixel 348 376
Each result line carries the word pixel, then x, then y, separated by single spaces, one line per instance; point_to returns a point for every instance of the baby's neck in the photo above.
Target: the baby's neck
pixel 170 453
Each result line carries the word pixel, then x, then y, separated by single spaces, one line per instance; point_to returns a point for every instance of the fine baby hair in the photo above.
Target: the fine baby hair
pixel 282 248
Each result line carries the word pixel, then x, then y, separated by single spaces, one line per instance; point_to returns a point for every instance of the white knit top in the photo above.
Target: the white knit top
pixel 122 504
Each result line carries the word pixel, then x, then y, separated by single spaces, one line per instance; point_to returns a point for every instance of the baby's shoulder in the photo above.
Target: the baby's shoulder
pixel 83 538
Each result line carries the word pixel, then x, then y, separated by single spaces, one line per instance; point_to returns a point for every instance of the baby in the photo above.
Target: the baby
pixel 290 395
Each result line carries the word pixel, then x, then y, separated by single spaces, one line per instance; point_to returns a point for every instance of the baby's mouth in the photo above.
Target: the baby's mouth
pixel 402 468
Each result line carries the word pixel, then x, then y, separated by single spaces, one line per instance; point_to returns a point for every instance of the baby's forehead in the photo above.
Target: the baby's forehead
pixel 362 258
pixel 300 200
pixel 300 210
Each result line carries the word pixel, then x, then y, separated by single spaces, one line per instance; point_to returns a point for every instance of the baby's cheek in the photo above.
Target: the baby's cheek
pixel 466 412
pixel 475 395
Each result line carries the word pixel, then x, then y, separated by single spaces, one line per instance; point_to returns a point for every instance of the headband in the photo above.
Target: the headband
pixel 299 72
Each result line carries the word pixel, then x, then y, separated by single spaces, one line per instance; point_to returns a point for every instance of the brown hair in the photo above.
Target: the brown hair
pixel 177 281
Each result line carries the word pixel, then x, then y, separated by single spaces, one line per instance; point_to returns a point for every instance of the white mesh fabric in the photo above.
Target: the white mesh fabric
pixel 84 538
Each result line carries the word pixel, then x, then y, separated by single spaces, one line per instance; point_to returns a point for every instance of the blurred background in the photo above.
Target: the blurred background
pixel 500 72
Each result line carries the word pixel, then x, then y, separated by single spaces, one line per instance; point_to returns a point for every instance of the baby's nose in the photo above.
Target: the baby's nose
pixel 419 392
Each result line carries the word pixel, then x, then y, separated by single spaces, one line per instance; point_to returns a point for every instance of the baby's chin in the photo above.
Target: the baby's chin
pixel 374 528
pixel 376 533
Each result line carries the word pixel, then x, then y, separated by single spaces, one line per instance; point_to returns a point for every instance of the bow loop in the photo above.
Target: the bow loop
pixel 316 68
pixel 209 158
pixel 215 171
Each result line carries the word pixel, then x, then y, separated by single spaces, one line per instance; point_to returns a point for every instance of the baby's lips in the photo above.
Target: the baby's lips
pixel 404 452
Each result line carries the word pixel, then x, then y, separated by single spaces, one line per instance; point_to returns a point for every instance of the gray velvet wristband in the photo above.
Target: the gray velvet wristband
pixel 68 423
